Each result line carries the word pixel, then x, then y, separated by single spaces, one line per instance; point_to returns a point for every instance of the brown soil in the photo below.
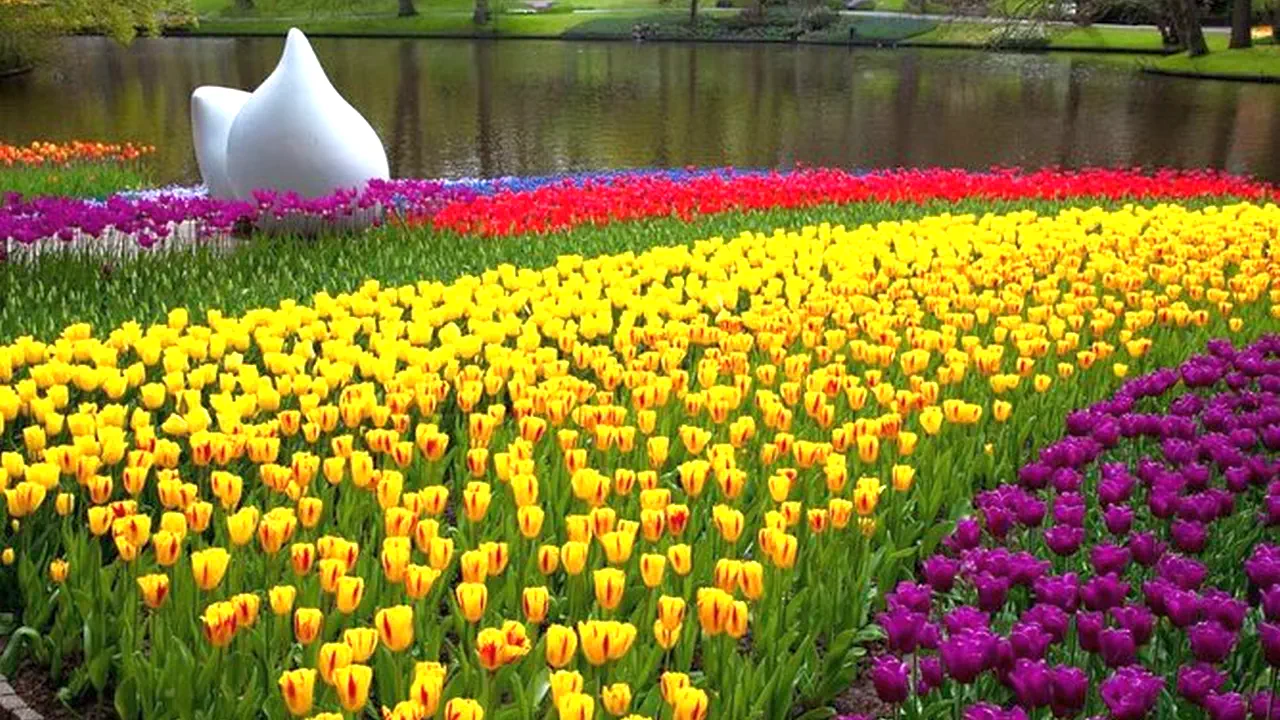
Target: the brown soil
pixel 34 686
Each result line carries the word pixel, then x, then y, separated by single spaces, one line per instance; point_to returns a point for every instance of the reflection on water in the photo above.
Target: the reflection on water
pixel 459 107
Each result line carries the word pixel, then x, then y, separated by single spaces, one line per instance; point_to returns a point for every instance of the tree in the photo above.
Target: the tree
pixel 407 9
pixel 1241 24
pixel 693 12
pixel 27 27
pixel 244 5
pixel 481 14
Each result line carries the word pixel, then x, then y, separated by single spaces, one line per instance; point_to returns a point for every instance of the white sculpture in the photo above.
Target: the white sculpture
pixel 294 133
pixel 212 111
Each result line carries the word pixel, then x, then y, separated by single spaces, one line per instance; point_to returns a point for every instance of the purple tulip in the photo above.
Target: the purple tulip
pixel 966 535
pixel 1131 693
pixel 1029 640
pixel 1271 603
pixel 1053 619
pixel 968 654
pixel 992 591
pixel 1269 636
pixel 1182 607
pixel 965 617
pixel 1225 706
pixel 911 596
pixel 1210 642
pixel 1146 548
pixel 1069 691
pixel 940 572
pixel 892 679
pixel 1197 682
pixel 1089 627
pixel 1060 590
pixel 1118 519
pixel 1067 480
pixel 1108 558
pixel 1188 536
pixel 1104 592
pixel 931 671
pixel 1224 609
pixel 902 629
pixel 1118 648
pixel 1265 706
pixel 1138 620
pixel 1063 541
pixel 1032 683
pixel 1184 572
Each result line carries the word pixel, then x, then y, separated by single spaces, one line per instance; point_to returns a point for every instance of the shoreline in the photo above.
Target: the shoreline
pixel 906 44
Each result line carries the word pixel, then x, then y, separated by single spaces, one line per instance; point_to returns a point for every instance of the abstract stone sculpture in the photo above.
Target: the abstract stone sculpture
pixel 294 133
pixel 212 111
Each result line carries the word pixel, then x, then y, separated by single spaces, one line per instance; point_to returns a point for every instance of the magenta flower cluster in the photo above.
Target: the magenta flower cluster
pixel 152 219
pixel 1111 579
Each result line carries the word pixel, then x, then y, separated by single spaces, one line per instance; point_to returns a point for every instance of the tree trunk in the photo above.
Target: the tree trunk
pixel 1186 21
pixel 1275 23
pixel 407 9
pixel 1241 24
pixel 244 5
pixel 481 14
pixel 693 12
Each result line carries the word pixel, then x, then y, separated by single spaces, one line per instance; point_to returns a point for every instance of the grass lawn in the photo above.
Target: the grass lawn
pixel 1260 61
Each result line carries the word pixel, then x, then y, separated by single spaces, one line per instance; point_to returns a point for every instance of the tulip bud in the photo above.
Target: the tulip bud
pixel 281 598
pixel 472 599
pixel 298 688
pixel 352 683
pixel 331 657
pixel 548 559
pixel 681 557
pixel 154 589
pixel 349 592
pixel 361 641
pixel 616 698
pixel 652 569
pixel 609 585
pixel 209 566
pixel 561 645
pixel 395 627
pixel 534 601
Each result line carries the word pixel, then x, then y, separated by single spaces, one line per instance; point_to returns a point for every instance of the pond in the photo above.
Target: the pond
pixel 463 108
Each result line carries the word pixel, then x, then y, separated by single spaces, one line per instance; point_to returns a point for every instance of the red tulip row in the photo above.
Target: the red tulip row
pixel 569 204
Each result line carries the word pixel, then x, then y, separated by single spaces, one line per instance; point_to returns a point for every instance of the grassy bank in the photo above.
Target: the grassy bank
pixel 627 19
pixel 1261 62
pixel 64 288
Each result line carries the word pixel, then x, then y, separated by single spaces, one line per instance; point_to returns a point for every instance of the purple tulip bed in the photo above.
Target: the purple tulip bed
pixel 1132 571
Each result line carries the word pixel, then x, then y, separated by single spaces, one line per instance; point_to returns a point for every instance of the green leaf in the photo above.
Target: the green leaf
pixel 126 700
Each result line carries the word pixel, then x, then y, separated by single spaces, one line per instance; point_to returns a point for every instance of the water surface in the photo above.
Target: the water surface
pixel 467 107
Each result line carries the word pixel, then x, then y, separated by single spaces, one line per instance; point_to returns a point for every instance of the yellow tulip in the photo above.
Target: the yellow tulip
pixel 548 559
pixel 475 500
pixel 362 641
pixel 573 555
pixel 681 557
pixel 690 704
pixel 396 554
pixel 331 657
pixel 576 706
pixel 530 518
pixel 652 568
pixel 665 636
pixel 564 682
pixel 616 698
pixel 472 599
pixel 534 601
pixel 490 643
pixel 349 593
pixel 307 623
pixel 155 589
pixel 209 566
pixel 427 689
pixel 671 611
pixel 475 566
pixel 281 599
pixel 395 627
pixel 672 683
pixel 561 645
pixel 352 683
pixel 463 709
pixel 903 477
pixel 219 622
pixel 418 580
pixel 751 580
pixel 298 688
pixel 609 584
